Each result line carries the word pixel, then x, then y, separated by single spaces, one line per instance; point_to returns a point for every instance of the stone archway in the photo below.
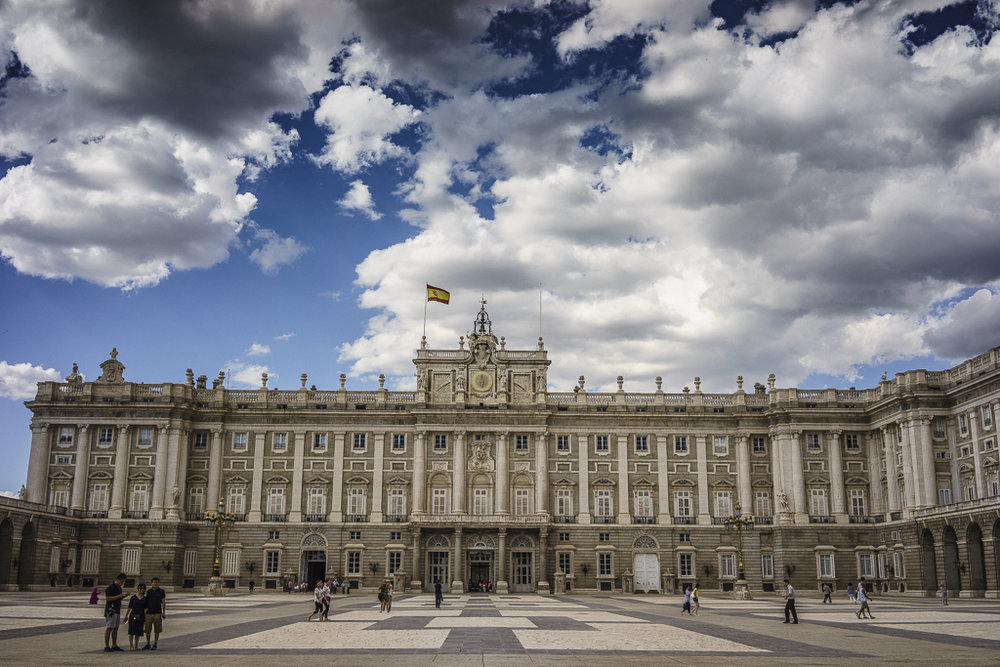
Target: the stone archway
pixel 952 578
pixel 977 561
pixel 26 565
pixel 6 551
pixel 929 561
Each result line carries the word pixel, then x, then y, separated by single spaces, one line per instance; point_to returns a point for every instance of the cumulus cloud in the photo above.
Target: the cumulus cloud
pixel 248 376
pixel 971 327
pixel 359 198
pixel 8 494
pixel 275 251
pixel 18 381
pixel 258 349
pixel 284 336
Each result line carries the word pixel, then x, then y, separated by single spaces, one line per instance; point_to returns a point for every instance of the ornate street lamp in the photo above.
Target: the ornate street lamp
pixel 218 518
pixel 739 523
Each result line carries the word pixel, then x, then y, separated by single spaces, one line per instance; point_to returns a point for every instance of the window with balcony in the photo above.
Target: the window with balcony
pixel 439 501
pixel 139 503
pixel 236 497
pixel 987 416
pixel 397 504
pixel 643 504
pixel 944 496
pixel 276 502
pixel 762 505
pixel 481 502
pixel 564 502
pixel 602 503
pixel 99 498
pixel 723 504
pixel 682 506
pixel 196 502
pixel 522 502
pixel 356 505
pixel 858 506
pixel 963 424
pixel 817 503
pixel 316 503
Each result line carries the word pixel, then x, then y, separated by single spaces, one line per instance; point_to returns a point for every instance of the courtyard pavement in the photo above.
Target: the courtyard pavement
pixel 270 628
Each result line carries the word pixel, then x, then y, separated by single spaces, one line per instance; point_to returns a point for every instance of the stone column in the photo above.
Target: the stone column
pixel 927 467
pixel 502 587
pixel 503 483
pixel 215 471
pixel 909 483
pixel 704 508
pixel 801 507
pixel 956 477
pixel 458 460
pixel 173 464
pixel 743 474
pixel 458 576
pixel 543 569
pixel 378 477
pixel 80 471
pixel 418 576
pixel 781 510
pixel 337 486
pixel 257 486
pixel 583 447
pixel 891 471
pixel 916 467
pixel 179 491
pixel 624 514
pixel 874 474
pixel 977 457
pixel 837 490
pixel 38 464
pixel 121 473
pixel 663 482
pixel 419 474
pixel 542 473
pixel 298 463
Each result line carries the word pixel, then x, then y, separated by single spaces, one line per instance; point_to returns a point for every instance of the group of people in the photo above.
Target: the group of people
pixel 857 594
pixel 332 584
pixel 322 593
pixel 144 614
pixel 482 586
pixel 691 599
pixel 385 596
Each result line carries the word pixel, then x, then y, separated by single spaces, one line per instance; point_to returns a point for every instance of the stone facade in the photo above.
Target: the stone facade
pixel 482 474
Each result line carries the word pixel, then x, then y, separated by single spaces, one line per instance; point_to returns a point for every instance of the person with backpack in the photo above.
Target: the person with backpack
pixel 113 595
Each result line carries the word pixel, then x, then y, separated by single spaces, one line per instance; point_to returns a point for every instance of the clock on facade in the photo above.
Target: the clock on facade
pixel 482 381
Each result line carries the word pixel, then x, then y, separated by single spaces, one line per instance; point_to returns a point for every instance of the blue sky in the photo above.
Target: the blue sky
pixel 701 188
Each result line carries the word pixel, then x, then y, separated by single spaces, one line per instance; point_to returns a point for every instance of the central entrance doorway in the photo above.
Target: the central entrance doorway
pixel 314 566
pixel 481 577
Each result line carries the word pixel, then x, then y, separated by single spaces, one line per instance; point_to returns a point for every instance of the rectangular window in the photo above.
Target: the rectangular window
pixel 866 565
pixel 685 564
pixel 105 436
pixel 858 502
pixel 767 565
pixel 643 503
pixel 970 491
pixel 230 562
pixel 69 459
pixel 274 534
pixel 604 564
pixel 145 437
pixel 938 427
pixel 989 445
pixel 564 537
pixel 721 445
pixel 762 503
pixel 897 565
pixel 130 560
pixel 60 498
pixel 354 562
pixel 439 501
pixel 201 441
pixel 727 566
pixel 190 563
pixel 317 501
pixel 759 445
pixel 99 498
pixel 987 414
pixel 564 502
pixel 817 502
pixel 682 503
pixel 394 561
pixel 356 502
pixel 944 496
pixel 963 424
pixel 236 500
pixel 89 560
pixel 601 443
pixel 319 442
pixel 272 562
pixel 826 566
pixel 684 537
pixel 851 442
pixel 239 441
pixel 395 535
pixel 66 435
pixel 397 502
pixel 398 442
pixel 360 441
pixel 520 443
pixel 681 444
pixel 196 500
pixel 276 500
pixel 440 442
pixel 481 501
pixel 642 443
pixel 565 562
pixel 279 442
pixel 723 503
pixel 522 502
pixel 354 535
pixel 812 442
pixel 562 443
pixel 140 497
pixel 602 502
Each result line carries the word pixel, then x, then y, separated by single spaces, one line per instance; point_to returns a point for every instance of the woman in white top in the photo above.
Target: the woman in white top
pixel 318 598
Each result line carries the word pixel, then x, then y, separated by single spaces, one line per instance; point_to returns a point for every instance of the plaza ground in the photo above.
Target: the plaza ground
pixel 268 628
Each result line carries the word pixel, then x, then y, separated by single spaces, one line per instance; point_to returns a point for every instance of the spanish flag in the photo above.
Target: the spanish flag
pixel 437 294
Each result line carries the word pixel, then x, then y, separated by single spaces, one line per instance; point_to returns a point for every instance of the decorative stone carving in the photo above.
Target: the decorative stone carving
pixel 480 542
pixel 112 370
pixel 482 458
pixel 74 377
pixel 645 542
pixel 314 540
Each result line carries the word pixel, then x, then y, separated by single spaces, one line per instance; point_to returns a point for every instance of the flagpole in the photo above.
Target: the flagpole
pixel 539 311
pixel 425 314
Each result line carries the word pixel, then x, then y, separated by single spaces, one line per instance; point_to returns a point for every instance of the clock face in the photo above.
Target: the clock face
pixel 482 381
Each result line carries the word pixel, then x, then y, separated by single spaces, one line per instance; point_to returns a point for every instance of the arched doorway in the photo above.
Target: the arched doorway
pixel 522 564
pixel 977 561
pixel 26 565
pixel 929 561
pixel 6 550
pixel 312 565
pixel 646 563
pixel 951 576
pixel 438 552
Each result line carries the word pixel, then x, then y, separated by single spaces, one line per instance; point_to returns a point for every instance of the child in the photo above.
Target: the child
pixel 136 617
pixel 687 601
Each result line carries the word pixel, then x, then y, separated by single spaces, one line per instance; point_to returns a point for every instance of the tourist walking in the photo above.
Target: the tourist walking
pixel 136 617
pixel 252 586
pixel 850 593
pixel 694 598
pixel 686 607
pixel 827 590
pixel 113 595
pixel 438 595
pixel 94 594
pixel 863 599
pixel 944 595
pixel 326 601
pixel 383 595
pixel 790 604
pixel 317 600
pixel 156 611
pixel 388 596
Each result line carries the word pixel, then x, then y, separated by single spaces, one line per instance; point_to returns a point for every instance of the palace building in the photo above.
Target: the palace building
pixel 484 475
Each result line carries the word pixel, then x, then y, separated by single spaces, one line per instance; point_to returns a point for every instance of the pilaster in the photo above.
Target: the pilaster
pixel 298 463
pixel 38 464
pixel 624 516
pixel 664 518
pixel 378 477
pixel 257 486
pixel 337 485
pixel 121 473
pixel 837 490
pixel 704 509
pixel 583 457
pixel 81 469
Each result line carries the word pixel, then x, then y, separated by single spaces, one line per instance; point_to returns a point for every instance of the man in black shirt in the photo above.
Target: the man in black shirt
pixel 156 611
pixel 113 595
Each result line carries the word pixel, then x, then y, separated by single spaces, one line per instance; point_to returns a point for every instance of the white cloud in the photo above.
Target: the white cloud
pixel 9 494
pixel 284 336
pixel 969 328
pixel 18 381
pixel 258 349
pixel 248 376
pixel 275 251
pixel 358 198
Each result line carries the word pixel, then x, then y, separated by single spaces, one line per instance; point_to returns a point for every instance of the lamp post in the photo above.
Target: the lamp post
pixel 218 518
pixel 739 523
